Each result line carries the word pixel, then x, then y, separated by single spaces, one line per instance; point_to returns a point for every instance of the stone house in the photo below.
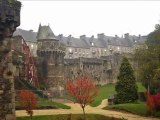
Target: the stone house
pixel 98 56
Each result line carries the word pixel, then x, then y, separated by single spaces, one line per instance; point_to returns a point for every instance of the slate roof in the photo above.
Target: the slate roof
pixel 117 41
pixel 102 41
pixel 72 41
pixel 45 32
pixel 27 35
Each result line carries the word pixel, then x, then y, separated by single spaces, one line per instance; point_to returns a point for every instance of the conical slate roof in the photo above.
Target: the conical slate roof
pixel 45 32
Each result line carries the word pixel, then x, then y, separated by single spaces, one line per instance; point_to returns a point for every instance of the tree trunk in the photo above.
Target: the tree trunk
pixel 31 116
pixel 84 114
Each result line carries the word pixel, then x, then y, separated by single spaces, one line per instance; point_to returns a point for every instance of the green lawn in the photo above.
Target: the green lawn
pixel 46 103
pixel 141 88
pixel 103 93
pixel 108 90
pixel 135 108
pixel 50 103
pixel 73 116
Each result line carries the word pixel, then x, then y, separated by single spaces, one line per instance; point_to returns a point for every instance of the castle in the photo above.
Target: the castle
pixel 64 58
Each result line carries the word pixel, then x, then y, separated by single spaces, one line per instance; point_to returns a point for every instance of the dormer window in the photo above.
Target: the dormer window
pixel 92 43
pixel 31 46
pixel 70 50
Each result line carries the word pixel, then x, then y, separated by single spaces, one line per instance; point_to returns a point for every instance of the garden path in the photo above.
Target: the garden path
pixel 76 109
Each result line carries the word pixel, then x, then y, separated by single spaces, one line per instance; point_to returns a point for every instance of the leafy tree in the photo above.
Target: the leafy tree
pixel 126 87
pixel 148 59
pixel 82 90
pixel 28 101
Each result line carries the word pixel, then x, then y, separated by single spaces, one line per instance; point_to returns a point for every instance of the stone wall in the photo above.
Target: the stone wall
pixel 51 52
pixel 7 95
pixel 102 70
pixel 9 20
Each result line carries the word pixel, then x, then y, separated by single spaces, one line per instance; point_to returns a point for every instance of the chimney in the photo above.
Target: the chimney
pixel 100 36
pixel 83 37
pixel 69 37
pixel 126 36
pixel 92 37
pixel 122 36
pixel 30 30
pixel 139 36
pixel 116 36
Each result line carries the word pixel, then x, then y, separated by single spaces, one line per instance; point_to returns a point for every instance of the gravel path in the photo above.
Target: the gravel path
pixel 75 108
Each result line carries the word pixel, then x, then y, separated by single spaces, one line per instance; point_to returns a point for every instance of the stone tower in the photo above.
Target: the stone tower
pixel 51 52
pixel 9 20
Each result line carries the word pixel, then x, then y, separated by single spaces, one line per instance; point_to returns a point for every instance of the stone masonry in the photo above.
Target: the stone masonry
pixel 51 52
pixel 9 20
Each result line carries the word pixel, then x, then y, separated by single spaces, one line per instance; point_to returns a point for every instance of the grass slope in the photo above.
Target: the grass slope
pixel 135 108
pixel 103 93
pixel 50 103
pixel 46 103
pixel 108 90
pixel 64 117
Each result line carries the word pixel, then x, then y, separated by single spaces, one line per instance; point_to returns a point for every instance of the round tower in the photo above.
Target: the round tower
pixel 51 52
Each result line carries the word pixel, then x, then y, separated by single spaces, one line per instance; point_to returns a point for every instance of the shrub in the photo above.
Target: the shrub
pixel 28 101
pixel 153 103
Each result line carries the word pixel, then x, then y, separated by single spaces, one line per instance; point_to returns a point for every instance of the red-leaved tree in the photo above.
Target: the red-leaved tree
pixel 82 90
pixel 28 101
pixel 153 102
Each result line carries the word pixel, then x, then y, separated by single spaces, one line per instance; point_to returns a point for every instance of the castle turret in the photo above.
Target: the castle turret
pixel 51 52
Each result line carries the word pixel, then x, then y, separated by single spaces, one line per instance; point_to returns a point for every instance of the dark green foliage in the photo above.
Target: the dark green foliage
pixel 126 87
pixel 138 108
pixel 154 37
pixel 148 59
pixel 135 108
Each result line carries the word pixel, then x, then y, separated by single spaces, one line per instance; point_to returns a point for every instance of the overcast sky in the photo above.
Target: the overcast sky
pixel 91 17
